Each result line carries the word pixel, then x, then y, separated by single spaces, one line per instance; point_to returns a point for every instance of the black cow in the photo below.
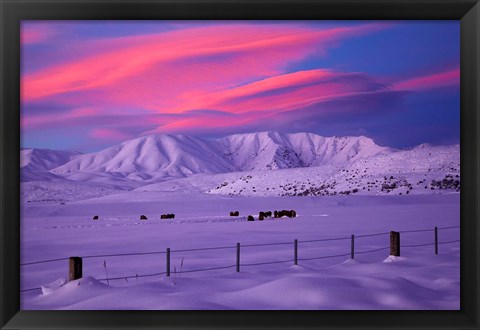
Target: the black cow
pixel 95 217
pixel 285 213
pixel 234 213
pixel 142 217
pixel 250 218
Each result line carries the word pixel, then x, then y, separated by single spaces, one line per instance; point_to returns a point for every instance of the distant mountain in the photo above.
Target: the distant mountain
pixel 163 156
pixel 36 163
pixel 273 150
pixel 256 164
pixel 421 170
pixel 155 158
pixel 149 157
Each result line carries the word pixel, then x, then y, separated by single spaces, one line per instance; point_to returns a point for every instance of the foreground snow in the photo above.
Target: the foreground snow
pixel 350 285
pixel 417 280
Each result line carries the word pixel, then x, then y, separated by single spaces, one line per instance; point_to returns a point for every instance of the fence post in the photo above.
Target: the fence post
pixel 238 257
pixel 352 247
pixel 295 252
pixel 75 268
pixel 395 243
pixel 168 262
pixel 436 240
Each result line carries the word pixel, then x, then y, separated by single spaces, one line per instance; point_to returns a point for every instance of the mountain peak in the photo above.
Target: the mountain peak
pixel 157 156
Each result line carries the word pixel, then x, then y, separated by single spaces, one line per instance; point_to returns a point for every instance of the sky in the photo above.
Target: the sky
pixel 87 85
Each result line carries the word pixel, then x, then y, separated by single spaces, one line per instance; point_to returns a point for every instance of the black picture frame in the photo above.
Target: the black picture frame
pixel 13 11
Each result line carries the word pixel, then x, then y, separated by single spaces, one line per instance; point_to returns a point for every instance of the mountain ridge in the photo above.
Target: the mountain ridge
pixel 164 156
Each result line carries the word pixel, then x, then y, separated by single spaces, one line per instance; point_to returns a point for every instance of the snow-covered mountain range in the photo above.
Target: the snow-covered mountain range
pixel 163 156
pixel 273 150
pixel 265 163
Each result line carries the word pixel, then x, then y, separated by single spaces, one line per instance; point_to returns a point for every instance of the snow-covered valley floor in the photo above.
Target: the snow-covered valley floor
pixel 418 279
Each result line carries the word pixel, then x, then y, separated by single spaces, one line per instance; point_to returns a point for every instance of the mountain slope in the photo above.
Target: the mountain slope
pixel 419 170
pixel 272 150
pixel 156 157
pixel 36 163
pixel 151 157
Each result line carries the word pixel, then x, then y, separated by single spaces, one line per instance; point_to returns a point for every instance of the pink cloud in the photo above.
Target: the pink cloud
pixel 209 123
pixel 435 80
pixel 235 68
pixel 259 100
pixel 108 134
pixel 298 89
pixel 264 100
pixel 209 100
pixel 158 66
pixel 42 119
pixel 34 34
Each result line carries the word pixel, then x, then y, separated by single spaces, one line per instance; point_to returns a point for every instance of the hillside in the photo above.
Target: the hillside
pixel 273 150
pixel 149 157
pixel 158 157
pixel 420 170
pixel 36 163
pixel 257 164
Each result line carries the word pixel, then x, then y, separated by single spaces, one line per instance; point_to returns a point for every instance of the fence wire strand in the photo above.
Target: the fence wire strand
pixel 205 249
pixel 202 270
pixel 374 250
pixel 42 261
pixel 324 240
pixel 416 245
pixel 123 254
pixel 131 276
pixel 447 242
pixel 451 227
pixel 415 231
pixel 267 263
pixel 266 244
pixel 369 235
pixel 326 257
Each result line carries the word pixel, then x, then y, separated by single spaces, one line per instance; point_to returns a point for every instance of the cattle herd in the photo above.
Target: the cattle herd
pixel 261 215
pixel 268 214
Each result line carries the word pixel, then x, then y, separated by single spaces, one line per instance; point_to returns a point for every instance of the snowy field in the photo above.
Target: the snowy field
pixel 418 279
pixel 338 186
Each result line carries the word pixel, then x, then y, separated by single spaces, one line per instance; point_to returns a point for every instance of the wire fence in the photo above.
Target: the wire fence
pixel 239 264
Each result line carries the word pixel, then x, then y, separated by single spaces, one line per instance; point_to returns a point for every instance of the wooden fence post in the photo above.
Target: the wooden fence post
pixel 295 252
pixel 168 262
pixel 75 268
pixel 395 243
pixel 352 247
pixel 436 240
pixel 238 257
